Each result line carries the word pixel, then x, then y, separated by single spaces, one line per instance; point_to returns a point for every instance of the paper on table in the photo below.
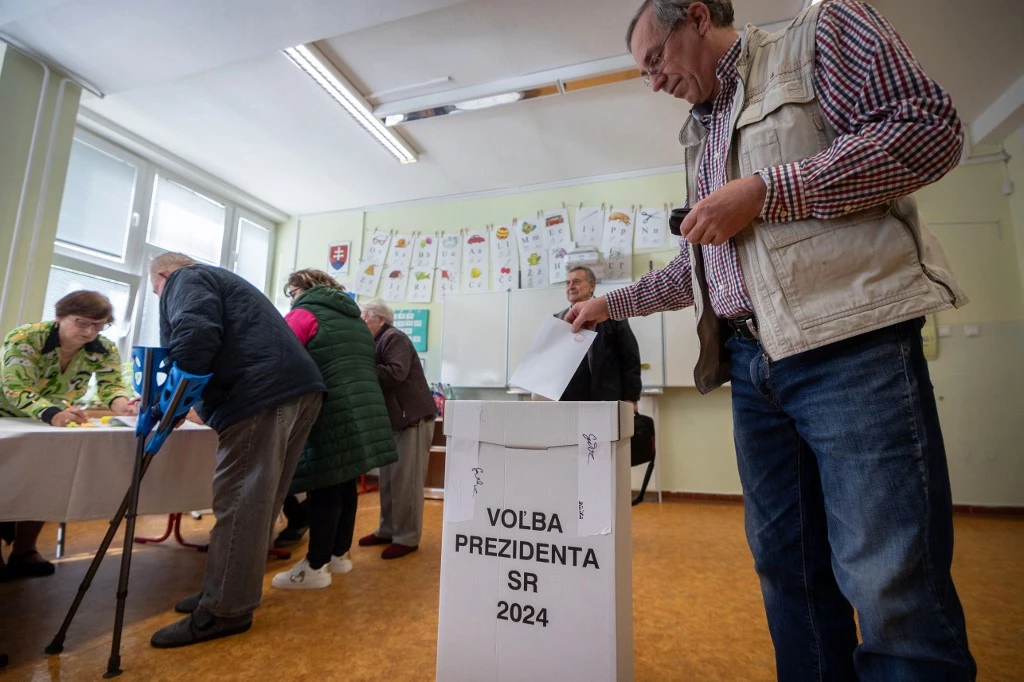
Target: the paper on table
pixel 594 467
pixel 554 356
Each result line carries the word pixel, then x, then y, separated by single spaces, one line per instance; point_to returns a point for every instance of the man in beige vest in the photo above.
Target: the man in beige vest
pixel 810 271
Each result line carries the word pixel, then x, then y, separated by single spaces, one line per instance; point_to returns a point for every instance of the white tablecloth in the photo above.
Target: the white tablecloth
pixel 61 474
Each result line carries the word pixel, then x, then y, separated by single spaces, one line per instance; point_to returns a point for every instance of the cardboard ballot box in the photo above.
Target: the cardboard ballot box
pixel 536 582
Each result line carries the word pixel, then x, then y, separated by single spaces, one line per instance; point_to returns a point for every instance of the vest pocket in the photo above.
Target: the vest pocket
pixel 835 268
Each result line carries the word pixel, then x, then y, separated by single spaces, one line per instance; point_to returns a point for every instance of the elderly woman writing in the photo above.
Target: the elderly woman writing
pixel 46 367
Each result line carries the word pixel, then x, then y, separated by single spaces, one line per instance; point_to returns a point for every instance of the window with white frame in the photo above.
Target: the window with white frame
pixel 119 211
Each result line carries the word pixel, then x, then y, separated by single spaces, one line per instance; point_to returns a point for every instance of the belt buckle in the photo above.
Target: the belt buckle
pixel 746 327
pixel 751 326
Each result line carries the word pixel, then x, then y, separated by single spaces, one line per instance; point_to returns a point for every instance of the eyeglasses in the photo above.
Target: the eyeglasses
pixel 291 292
pixel 656 63
pixel 83 323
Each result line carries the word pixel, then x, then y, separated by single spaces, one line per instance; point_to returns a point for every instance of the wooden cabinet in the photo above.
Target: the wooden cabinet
pixel 433 484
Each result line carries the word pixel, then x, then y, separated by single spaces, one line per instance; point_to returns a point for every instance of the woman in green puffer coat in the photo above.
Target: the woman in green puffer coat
pixel 351 436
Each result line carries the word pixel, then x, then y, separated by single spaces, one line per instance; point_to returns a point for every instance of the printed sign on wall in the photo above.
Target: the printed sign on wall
pixel 424 255
pixel 504 259
pixel 617 244
pixel 394 285
pixel 338 259
pixel 421 286
pixel 414 323
pixel 650 228
pixel 367 279
pixel 532 255
pixel 589 225
pixel 475 271
pixel 377 248
pixel 400 255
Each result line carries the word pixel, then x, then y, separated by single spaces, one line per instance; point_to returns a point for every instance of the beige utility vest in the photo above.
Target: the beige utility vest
pixel 812 282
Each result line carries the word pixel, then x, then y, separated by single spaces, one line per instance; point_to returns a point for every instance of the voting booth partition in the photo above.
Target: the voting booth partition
pixel 536 579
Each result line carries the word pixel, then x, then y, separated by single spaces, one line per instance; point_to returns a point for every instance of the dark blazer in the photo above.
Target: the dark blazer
pixel 611 370
pixel 213 321
pixel 406 392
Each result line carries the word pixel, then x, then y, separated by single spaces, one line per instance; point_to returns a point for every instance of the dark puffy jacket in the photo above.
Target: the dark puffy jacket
pixel 611 370
pixel 406 391
pixel 352 434
pixel 213 321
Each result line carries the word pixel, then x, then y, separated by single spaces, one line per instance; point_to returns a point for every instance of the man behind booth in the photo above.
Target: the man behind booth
pixel 811 271
pixel 262 400
pixel 611 368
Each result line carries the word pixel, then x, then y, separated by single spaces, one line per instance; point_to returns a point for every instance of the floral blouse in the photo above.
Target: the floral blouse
pixel 34 386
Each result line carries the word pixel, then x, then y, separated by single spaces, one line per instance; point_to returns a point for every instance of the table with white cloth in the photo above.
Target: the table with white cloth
pixel 77 474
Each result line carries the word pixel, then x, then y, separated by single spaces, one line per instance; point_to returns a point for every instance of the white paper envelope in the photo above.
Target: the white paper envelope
pixel 553 357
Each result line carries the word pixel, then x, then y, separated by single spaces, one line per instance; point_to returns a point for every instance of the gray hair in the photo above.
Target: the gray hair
pixel 591 277
pixel 378 308
pixel 169 262
pixel 670 13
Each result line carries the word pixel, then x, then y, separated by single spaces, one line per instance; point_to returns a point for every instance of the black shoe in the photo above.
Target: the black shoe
pixel 28 565
pixel 189 603
pixel 199 626
pixel 289 536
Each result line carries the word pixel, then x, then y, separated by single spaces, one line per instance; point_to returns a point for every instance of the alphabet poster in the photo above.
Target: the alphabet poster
pixel 475 254
pixel 421 286
pixel 394 285
pixel 617 245
pixel 424 253
pixel 377 248
pixel 589 225
pixel 532 255
pixel 504 259
pixel 449 256
pixel 400 255
pixel 558 265
pixel 449 261
pixel 367 279
pixel 650 228
pixel 556 228
pixel 447 282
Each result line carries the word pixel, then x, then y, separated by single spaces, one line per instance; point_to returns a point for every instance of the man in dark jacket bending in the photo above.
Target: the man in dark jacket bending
pixel 611 369
pixel 262 400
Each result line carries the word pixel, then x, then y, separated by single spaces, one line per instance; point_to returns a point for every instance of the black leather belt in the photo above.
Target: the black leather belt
pixel 745 327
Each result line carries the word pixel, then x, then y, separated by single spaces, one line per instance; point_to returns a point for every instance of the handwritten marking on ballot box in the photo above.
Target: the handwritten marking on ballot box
pixel 478 481
pixel 591 441
pixel 519 549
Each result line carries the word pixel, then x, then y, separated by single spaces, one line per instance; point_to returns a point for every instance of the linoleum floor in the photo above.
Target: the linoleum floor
pixel 696 605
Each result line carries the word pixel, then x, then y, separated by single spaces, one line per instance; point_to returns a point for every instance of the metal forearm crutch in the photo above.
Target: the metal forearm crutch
pixel 176 395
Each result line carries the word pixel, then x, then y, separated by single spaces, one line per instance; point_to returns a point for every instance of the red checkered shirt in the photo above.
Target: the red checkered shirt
pixel 898 131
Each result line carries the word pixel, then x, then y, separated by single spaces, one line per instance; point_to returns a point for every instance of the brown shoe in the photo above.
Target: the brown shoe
pixel 397 551
pixel 373 539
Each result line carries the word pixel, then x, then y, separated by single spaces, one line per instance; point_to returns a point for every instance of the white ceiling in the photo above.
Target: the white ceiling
pixel 205 80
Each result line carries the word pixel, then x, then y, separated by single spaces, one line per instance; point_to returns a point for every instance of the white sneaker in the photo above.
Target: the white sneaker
pixel 302 577
pixel 341 564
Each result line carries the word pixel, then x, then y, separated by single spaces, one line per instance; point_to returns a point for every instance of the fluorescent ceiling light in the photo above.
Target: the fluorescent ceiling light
pixel 506 91
pixel 312 61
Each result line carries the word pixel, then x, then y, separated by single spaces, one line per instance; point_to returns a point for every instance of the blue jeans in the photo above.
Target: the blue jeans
pixel 848 506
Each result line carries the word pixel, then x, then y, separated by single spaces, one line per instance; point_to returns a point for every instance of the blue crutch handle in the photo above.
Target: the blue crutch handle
pixel 180 392
pixel 158 368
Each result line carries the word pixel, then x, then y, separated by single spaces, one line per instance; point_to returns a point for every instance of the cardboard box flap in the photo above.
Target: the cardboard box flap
pixel 536 425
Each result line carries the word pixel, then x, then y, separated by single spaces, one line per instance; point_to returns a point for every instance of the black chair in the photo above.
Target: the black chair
pixel 642 450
